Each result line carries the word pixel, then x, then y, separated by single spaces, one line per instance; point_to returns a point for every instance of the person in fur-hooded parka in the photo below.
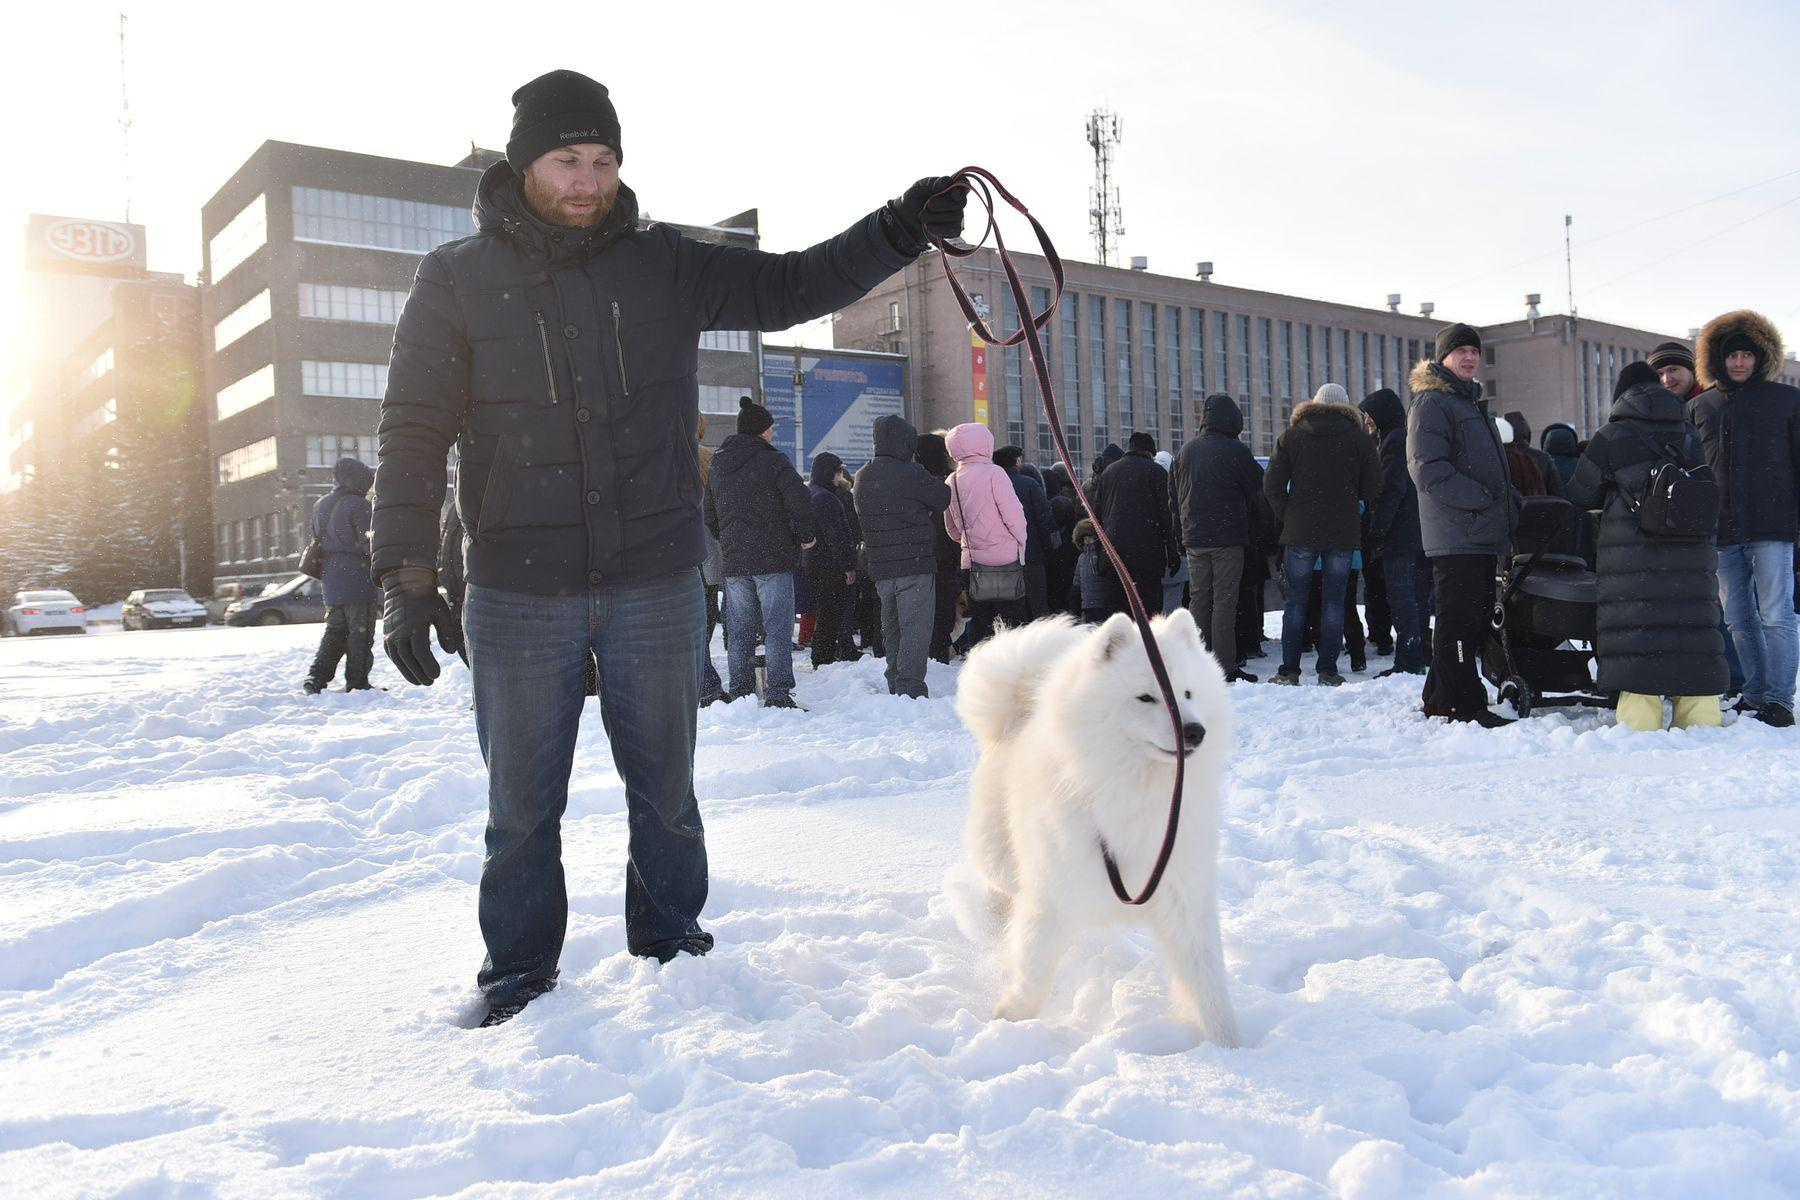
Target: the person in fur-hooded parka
pixel 1749 423
pixel 1658 619
pixel 1324 467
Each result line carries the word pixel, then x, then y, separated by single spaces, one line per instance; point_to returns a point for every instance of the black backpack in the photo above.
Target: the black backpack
pixel 1676 503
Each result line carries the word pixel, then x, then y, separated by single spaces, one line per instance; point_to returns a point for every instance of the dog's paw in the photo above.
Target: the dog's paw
pixel 1014 1008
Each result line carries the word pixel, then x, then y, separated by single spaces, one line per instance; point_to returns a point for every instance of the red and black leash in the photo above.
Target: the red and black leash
pixel 978 181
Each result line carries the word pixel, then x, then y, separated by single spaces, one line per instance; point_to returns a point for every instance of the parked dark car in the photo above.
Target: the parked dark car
pixel 298 600
pixel 161 608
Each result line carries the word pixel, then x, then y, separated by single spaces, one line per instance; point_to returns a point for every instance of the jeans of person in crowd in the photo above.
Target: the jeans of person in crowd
pixel 1174 583
pixel 1402 601
pixel 711 686
pixel 1214 573
pixel 908 606
pixel 1037 590
pixel 765 601
pixel 528 656
pixel 350 637
pixel 1297 567
pixel 1732 663
pixel 832 598
pixel 1756 586
pixel 983 614
pixel 1376 613
pixel 1644 713
pixel 1146 580
pixel 945 593
pixel 1463 587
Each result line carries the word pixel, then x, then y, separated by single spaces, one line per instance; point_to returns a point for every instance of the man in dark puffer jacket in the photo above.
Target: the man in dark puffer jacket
pixel 1658 621
pixel 763 517
pixel 341 523
pixel 1751 428
pixel 899 503
pixel 1215 485
pixel 560 347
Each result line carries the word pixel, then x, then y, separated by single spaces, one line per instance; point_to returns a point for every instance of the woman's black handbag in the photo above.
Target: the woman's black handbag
pixel 999 584
pixel 1676 503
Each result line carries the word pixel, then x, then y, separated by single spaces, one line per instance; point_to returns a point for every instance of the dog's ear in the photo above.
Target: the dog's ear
pixel 1113 636
pixel 1181 624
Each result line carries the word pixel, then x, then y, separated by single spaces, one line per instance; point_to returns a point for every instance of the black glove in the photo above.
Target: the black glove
pixel 411 608
pixel 908 219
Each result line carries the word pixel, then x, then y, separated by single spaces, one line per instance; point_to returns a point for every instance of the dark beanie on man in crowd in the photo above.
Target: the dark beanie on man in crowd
pixel 753 418
pixel 562 108
pixel 1634 374
pixel 1455 336
pixel 1671 354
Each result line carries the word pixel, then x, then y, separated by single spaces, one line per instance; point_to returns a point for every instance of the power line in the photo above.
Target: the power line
pixel 1525 262
pixel 1692 245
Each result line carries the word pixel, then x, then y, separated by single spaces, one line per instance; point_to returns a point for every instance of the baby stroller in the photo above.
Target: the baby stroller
pixel 1540 644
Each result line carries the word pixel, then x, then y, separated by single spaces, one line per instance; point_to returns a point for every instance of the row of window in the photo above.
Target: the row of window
pixel 726 339
pixel 322 450
pixel 1168 345
pixel 257 539
pixel 343 219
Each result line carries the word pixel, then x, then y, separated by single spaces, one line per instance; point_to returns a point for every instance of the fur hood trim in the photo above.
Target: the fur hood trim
pixel 1709 362
pixel 1422 380
pixel 1316 408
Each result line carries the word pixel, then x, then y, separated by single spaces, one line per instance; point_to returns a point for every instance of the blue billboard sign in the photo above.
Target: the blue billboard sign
pixel 835 405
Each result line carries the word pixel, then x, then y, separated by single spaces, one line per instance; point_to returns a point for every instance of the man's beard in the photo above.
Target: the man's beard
pixel 547 205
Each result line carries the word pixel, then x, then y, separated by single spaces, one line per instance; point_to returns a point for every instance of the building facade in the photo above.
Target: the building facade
pixel 1128 350
pixel 309 255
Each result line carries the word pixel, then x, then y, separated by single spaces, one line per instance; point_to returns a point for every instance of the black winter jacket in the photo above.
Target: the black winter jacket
pixel 1041 533
pixel 1131 498
pixel 341 523
pixel 1215 482
pixel 1562 443
pixel 1394 519
pixel 1324 469
pixel 1454 455
pixel 1752 436
pixel 757 507
pixel 1658 617
pixel 898 502
pixel 834 547
pixel 565 364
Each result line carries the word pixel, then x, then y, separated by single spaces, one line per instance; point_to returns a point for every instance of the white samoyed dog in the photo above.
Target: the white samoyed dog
pixel 1077 748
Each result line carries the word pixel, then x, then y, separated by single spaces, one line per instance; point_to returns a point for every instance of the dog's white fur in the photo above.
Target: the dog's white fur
pixel 1071 753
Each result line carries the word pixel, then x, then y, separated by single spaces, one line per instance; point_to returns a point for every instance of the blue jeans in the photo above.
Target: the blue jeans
pixel 1297 564
pixel 767 600
pixel 1399 573
pixel 528 657
pixel 1756 586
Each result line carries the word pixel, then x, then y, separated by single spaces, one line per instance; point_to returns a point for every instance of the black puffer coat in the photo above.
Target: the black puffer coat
pixel 1454 455
pixel 341 523
pixel 1324 464
pixel 1659 597
pixel 566 366
pixel 1214 481
pixel 934 455
pixel 757 507
pixel 1752 434
pixel 1131 498
pixel 834 547
pixel 898 502
pixel 1563 445
pixel 1394 518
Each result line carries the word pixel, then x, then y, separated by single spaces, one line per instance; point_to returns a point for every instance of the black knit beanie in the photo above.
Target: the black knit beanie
pixel 1634 374
pixel 563 108
pixel 1454 336
pixel 1671 354
pixel 753 418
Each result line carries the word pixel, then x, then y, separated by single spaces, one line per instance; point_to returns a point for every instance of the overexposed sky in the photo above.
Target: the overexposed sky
pixel 1342 151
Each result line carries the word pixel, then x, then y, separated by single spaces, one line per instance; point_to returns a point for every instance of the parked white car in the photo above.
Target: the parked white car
pixel 161 608
pixel 48 611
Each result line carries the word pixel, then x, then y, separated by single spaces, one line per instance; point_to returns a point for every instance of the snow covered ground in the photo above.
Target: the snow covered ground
pixel 237 942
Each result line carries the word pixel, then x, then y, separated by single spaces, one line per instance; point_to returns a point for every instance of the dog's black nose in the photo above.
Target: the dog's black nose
pixel 1193 733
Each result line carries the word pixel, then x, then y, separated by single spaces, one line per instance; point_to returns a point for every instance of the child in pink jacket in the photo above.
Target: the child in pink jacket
pixel 986 517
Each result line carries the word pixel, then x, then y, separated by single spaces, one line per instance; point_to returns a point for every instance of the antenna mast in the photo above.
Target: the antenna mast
pixel 1106 220
pixel 1569 261
pixel 125 116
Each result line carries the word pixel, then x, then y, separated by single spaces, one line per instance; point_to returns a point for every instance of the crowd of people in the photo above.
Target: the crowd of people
pixel 1414 508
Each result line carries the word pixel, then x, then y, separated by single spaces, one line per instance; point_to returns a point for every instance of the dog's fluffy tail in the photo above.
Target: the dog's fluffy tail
pixel 998 686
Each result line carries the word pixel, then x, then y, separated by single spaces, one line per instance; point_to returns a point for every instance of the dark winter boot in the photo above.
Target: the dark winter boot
pixel 1332 678
pixel 1286 678
pixel 500 1014
pixel 312 687
pixel 1775 714
pixel 1485 718
pixel 1240 676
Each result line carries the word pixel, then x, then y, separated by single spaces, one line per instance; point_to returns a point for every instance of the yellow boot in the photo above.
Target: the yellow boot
pixel 1639 712
pixel 1697 712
